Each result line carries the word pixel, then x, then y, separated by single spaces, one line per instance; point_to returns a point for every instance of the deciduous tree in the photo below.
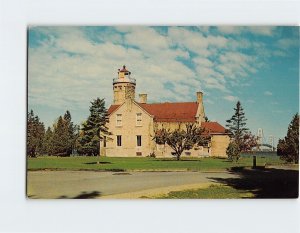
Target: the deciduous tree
pixel 180 139
pixel 247 143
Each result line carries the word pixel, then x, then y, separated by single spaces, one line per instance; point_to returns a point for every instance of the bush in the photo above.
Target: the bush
pixel 233 151
pixel 152 155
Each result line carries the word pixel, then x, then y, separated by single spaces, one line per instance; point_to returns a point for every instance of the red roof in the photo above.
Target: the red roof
pixel 123 69
pixel 172 112
pixel 177 112
pixel 168 112
pixel 112 108
pixel 213 128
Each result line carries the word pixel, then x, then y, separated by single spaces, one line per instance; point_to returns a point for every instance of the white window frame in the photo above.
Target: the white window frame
pixel 138 121
pixel 118 120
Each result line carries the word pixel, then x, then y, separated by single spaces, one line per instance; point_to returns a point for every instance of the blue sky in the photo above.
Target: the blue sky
pixel 70 66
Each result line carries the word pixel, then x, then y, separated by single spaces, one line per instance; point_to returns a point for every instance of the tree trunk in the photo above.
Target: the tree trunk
pixel 178 157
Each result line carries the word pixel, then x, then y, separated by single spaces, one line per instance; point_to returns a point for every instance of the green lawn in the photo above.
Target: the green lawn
pixel 149 164
pixel 212 192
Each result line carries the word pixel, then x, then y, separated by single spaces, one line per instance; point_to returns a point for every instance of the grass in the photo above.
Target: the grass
pixel 212 192
pixel 144 164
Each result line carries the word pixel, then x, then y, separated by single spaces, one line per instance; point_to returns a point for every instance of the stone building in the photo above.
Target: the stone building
pixel 133 123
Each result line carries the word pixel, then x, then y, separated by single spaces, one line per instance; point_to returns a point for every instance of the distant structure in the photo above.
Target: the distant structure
pixel 271 142
pixel 264 145
pixel 133 123
pixel 260 136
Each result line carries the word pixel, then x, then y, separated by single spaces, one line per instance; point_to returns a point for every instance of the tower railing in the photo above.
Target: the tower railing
pixel 124 80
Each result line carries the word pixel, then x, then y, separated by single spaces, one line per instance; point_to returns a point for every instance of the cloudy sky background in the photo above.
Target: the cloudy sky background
pixel 70 66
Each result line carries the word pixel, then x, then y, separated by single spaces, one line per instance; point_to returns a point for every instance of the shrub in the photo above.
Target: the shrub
pixel 233 152
pixel 152 155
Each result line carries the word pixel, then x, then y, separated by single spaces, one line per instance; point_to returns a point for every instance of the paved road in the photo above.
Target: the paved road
pixel 89 184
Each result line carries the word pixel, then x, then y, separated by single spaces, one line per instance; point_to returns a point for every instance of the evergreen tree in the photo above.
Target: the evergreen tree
pixel 89 140
pixel 60 138
pixel 237 125
pixel 242 140
pixel 35 134
pixel 288 148
pixel 70 131
pixel 48 142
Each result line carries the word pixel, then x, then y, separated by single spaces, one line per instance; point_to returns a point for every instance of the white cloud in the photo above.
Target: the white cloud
pixel 259 30
pixel 286 43
pixel 69 68
pixel 147 39
pixel 195 41
pixel 262 30
pixel 208 101
pixel 230 29
pixel 203 62
pixel 230 98
pixel 72 69
pixel 236 65
pixel 250 101
pixel 268 93
pixel 279 53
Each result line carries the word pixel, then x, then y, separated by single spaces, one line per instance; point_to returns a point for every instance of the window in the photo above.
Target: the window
pixel 104 141
pixel 119 120
pixel 119 140
pixel 139 119
pixel 139 140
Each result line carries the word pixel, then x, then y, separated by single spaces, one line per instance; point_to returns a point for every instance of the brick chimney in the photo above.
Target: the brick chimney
pixel 200 112
pixel 199 97
pixel 143 98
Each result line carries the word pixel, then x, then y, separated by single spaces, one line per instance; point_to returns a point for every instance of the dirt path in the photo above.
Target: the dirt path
pixel 90 184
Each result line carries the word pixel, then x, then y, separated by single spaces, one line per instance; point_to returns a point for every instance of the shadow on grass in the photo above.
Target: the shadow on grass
pixel 227 161
pixel 83 195
pixel 264 182
pixel 186 159
pixel 98 163
pixel 174 160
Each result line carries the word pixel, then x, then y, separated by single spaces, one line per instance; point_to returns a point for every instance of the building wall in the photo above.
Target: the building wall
pixel 166 151
pixel 170 125
pixel 219 144
pixel 129 131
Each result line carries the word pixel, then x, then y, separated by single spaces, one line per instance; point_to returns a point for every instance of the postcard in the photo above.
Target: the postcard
pixel 162 112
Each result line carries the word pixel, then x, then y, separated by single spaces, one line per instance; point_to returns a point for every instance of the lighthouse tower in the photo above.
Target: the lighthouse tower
pixel 123 86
